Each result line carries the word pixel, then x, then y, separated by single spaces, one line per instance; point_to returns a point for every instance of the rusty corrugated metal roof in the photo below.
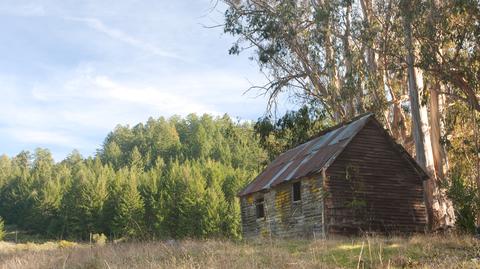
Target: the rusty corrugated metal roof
pixel 307 158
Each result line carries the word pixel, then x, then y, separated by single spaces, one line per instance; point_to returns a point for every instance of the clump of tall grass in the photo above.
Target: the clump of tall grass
pixel 2 229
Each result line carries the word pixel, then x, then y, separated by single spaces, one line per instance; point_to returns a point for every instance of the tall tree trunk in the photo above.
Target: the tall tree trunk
pixel 442 205
pixel 436 108
pixel 334 85
pixel 417 130
pixel 439 155
pixel 369 48
pixel 347 57
pixel 477 156
pixel 398 122
pixel 367 14
pixel 424 122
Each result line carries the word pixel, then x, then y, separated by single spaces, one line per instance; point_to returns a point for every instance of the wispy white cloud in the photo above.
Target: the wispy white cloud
pixel 88 86
pixel 121 36
pixel 165 101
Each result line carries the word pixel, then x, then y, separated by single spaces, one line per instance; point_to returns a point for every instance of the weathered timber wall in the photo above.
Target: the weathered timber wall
pixel 371 187
pixel 283 217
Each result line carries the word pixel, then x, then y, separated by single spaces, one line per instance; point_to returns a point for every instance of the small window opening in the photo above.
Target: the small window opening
pixel 297 191
pixel 260 208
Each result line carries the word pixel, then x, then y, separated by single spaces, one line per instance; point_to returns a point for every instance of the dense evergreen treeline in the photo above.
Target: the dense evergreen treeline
pixel 167 178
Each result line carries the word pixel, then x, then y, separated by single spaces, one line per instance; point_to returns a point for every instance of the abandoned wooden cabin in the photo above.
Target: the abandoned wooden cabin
pixel 350 178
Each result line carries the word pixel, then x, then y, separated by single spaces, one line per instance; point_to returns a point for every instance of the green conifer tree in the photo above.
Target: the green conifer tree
pixel 128 216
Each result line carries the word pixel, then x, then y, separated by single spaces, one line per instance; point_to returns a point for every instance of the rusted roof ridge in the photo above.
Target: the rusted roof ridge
pixel 325 131
pixel 348 136
pixel 331 128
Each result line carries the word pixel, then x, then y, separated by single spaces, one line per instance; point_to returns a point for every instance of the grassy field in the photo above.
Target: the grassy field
pixel 367 252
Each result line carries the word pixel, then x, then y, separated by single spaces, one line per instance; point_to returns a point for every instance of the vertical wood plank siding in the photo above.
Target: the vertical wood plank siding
pixel 371 187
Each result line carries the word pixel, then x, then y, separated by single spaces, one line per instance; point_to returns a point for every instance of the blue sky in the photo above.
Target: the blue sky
pixel 72 70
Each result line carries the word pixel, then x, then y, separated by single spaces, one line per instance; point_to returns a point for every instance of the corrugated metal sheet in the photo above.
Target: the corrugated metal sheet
pixel 307 158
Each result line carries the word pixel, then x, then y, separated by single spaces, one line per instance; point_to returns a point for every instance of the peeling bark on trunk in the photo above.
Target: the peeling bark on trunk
pixel 442 211
pixel 444 214
pixel 417 130
pixel 424 123
pixel 438 151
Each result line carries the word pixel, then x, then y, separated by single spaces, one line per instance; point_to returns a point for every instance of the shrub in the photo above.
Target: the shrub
pixel 99 239
pixel 465 200
pixel 66 244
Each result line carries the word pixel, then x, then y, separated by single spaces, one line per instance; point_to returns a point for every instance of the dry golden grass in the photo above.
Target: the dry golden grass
pixel 366 252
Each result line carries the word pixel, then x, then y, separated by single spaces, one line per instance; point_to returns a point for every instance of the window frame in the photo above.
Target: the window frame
pixel 260 208
pixel 297 192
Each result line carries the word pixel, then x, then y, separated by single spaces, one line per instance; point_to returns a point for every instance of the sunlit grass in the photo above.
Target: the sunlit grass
pixel 434 251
